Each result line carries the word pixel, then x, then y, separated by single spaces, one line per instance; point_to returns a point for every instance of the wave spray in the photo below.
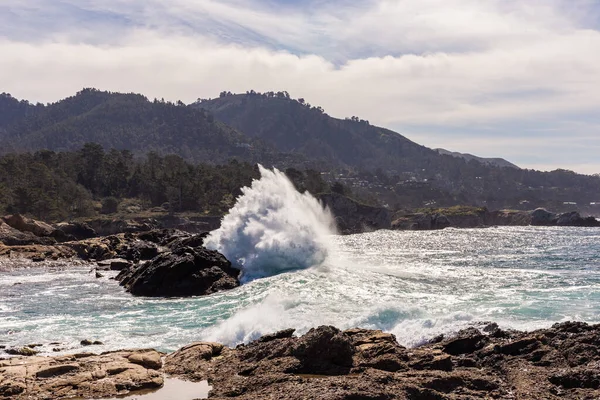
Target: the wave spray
pixel 273 228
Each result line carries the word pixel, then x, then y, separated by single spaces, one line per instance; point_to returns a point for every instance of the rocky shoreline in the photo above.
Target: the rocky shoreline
pixel 478 217
pixel 139 240
pixel 326 363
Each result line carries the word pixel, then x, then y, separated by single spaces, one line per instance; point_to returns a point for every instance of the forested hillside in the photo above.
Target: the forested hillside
pixel 295 126
pixel 378 165
pixel 64 185
pixel 124 122
pixel 398 170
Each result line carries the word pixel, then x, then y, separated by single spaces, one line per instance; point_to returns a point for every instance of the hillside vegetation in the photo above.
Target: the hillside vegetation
pixel 378 165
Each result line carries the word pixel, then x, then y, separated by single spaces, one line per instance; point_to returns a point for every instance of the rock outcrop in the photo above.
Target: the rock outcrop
pixel 574 219
pixel 476 217
pixel 561 362
pixel 69 231
pixel 184 271
pixel 38 228
pixel 352 217
pixel 82 375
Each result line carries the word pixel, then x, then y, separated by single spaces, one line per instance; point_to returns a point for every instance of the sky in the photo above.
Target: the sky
pixel 518 79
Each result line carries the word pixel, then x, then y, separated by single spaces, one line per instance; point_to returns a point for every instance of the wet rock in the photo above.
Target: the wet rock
pixel 87 342
pixel 183 272
pixel 22 351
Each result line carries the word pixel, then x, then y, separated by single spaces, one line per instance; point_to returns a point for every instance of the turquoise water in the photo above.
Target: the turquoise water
pixel 413 284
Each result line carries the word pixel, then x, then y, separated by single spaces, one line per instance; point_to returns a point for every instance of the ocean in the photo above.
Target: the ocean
pixel 298 274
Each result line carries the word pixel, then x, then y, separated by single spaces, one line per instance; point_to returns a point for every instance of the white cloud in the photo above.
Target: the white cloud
pixel 435 63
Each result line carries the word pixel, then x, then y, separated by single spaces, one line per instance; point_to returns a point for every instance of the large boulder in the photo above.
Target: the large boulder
pixel 14 237
pixel 186 271
pixel 543 217
pixel 23 224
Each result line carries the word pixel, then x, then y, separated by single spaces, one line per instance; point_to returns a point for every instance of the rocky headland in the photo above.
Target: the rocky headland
pixel 480 217
pixel 484 361
pixel 134 240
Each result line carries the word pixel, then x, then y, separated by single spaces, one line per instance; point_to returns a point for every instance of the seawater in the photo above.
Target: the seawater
pixel 297 273
pixel 413 284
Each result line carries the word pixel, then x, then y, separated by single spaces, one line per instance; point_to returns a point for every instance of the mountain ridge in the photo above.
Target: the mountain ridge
pixel 493 161
pixel 278 131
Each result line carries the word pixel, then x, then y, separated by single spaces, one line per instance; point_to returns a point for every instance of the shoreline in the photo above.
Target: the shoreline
pixel 562 361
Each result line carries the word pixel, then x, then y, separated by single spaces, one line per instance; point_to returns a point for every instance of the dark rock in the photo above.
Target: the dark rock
pixel 286 333
pixel 574 219
pixel 466 342
pixel 440 221
pixel 353 217
pixel 22 351
pixel 439 363
pixel 114 264
pixel 189 241
pixel 93 249
pixel 184 272
pixel 74 231
pixel 519 366
pixel 543 217
pixel 56 370
pixel 521 346
pixel 140 250
pixel 104 227
pixel 324 350
pixel 579 378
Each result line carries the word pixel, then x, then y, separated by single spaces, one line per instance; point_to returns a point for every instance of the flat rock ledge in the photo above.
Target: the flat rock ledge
pixel 83 375
pixel 561 362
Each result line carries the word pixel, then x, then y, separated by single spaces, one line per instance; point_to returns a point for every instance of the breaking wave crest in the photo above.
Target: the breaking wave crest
pixel 273 228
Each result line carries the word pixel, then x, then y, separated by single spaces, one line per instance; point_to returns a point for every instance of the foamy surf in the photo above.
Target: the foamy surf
pixel 273 229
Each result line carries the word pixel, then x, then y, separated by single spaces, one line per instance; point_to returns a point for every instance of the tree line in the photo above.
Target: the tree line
pixel 56 186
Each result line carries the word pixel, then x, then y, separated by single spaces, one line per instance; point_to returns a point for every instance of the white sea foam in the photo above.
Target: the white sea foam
pixel 415 285
pixel 273 228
